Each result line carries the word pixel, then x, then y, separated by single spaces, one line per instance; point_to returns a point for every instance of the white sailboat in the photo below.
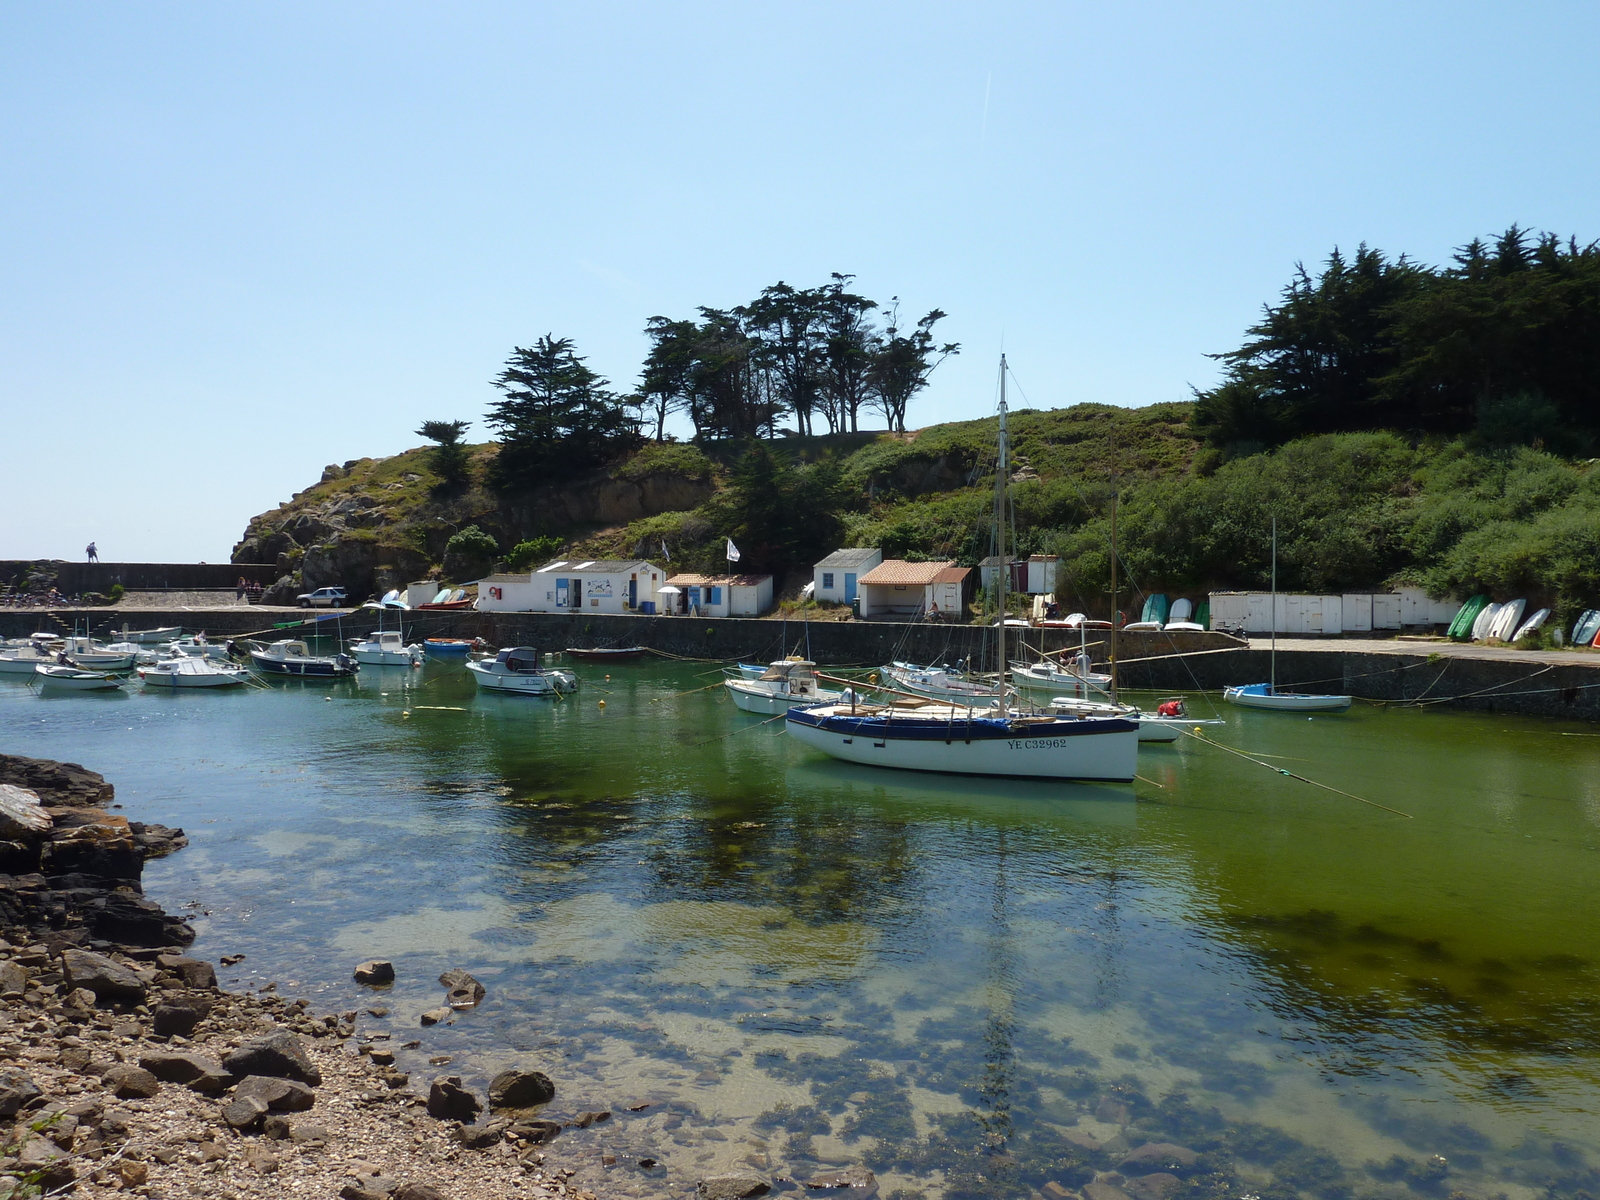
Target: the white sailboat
pixel 964 739
pixel 1267 695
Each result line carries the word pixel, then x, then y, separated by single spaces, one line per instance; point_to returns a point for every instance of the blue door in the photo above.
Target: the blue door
pixel 849 587
pixel 633 593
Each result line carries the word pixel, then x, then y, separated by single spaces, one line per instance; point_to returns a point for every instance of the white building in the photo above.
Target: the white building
pixel 898 588
pixel 838 576
pixel 1352 612
pixel 719 595
pixel 571 585
pixel 1035 575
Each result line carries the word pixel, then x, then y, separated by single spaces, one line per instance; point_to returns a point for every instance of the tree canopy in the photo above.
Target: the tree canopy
pixel 558 418
pixel 1504 343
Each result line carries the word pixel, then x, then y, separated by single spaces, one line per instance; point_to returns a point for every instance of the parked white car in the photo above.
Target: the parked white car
pixel 327 597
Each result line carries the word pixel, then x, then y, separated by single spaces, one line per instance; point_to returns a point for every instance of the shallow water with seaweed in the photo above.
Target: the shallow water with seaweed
pixel 975 987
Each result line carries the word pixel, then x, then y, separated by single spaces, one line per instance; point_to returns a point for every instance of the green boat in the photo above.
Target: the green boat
pixel 1461 627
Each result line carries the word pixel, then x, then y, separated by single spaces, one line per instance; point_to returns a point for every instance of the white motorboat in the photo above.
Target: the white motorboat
pixel 188 671
pixel 975 734
pixel 75 679
pixel 91 655
pixel 1047 680
pixel 196 647
pixel 21 660
pixel 517 670
pixel 1266 695
pixel 149 637
pixel 783 684
pixel 939 683
pixel 293 657
pixel 386 648
pixel 141 653
pixel 1153 727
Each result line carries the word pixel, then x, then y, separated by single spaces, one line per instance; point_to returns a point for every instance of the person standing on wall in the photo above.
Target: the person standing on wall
pixel 94 555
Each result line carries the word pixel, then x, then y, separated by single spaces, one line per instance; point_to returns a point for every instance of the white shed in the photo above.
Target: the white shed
pixel 569 585
pixel 720 595
pixel 838 576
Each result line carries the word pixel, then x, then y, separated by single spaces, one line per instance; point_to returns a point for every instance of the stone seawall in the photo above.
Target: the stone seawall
pixel 75 577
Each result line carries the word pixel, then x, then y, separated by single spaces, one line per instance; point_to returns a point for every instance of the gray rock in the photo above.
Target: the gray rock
pixel 481 1137
pixel 106 979
pixel 1158 1156
pixel 194 972
pixel 520 1089
pixel 280 1054
pixel 279 1095
pixel 449 1101
pixel 13 980
pixel 534 1132
pixel 17 1091
pixel 737 1185
pixel 244 1112
pixel 303 1133
pixel 274 1126
pixel 854 1182
pixel 129 1082
pixel 175 1019
pixel 197 1072
pixel 375 972
pixel 434 1015
pixel 356 1191
pixel 465 991
pixel 1104 1191
pixel 419 1191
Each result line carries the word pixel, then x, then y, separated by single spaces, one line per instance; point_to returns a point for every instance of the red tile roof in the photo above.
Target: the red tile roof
pixel 898 572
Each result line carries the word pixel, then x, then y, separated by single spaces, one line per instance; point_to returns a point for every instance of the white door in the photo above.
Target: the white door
pixel 1332 615
pixel 1260 617
pixel 1357 612
pixel 1386 611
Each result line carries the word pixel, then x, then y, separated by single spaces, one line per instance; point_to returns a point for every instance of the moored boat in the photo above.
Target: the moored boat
pixel 1264 695
pixel 447 647
pixel 939 683
pixel 783 684
pixel 516 669
pixel 294 657
pixel 90 655
pixel 386 648
pixel 75 679
pixel 605 653
pixel 149 637
pixel 21 660
pixel 191 671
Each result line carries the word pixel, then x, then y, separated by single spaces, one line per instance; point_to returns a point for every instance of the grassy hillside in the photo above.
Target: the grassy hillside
pixel 1356 511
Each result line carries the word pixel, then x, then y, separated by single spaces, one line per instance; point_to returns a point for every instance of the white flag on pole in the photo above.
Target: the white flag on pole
pixel 665 551
pixel 733 551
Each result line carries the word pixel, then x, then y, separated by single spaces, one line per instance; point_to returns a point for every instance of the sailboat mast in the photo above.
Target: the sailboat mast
pixel 1113 663
pixel 1272 688
pixel 1003 572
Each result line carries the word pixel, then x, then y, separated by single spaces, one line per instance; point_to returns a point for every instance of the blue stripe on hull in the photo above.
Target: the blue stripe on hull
pixel 965 730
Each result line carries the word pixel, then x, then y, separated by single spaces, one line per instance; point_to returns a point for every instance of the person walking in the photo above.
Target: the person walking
pixel 240 589
pixel 94 555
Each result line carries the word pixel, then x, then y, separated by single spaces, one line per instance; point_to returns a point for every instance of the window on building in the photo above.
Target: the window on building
pixel 716 596
pixel 827 581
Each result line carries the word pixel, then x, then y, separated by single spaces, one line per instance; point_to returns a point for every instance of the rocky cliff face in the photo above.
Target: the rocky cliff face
pixel 372 524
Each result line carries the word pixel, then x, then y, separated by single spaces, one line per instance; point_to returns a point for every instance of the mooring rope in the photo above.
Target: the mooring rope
pixel 1290 774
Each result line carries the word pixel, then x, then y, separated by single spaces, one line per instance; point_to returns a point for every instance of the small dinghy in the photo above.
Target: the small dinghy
pixel 1264 695
pixel 74 679
pixel 189 671
pixel 1532 625
pixel 1485 620
pixel 1506 623
pixel 447 647
pixel 1586 627
pixel 606 653
pixel 149 637
pixel 1461 627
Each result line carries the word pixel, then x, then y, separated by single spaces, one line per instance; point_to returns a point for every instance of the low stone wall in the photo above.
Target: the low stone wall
pixel 75 577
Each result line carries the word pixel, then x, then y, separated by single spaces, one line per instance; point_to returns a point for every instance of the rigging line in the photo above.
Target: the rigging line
pixel 1291 775
pixel 1481 691
pixel 757 725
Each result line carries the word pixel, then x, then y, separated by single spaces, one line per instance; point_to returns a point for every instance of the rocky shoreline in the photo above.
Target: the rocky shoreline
pixel 125 1069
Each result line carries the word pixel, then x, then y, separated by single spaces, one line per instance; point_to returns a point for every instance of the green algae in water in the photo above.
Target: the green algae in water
pixel 973 986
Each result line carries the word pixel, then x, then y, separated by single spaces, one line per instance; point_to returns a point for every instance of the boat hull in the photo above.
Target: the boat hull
pixel 21 666
pixel 302 668
pixel 525 683
pixel 752 698
pixel 622 654
pixel 67 679
pixel 1249 697
pixel 1098 750
pixel 385 658
pixel 178 680
pixel 447 647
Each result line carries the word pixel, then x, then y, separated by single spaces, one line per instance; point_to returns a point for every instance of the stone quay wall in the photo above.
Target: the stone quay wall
pixel 75 577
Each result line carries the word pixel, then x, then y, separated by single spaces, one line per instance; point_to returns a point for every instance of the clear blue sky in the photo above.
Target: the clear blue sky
pixel 238 242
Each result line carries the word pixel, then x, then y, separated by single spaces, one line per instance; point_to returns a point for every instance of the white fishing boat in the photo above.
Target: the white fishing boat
pixel 1159 726
pixel 189 671
pixel 21 660
pixel 149 637
pixel 386 648
pixel 939 683
pixel 141 653
pixel 517 669
pixel 782 685
pixel 74 679
pixel 972 736
pixel 294 657
pixel 195 647
pixel 91 655
pixel 1045 680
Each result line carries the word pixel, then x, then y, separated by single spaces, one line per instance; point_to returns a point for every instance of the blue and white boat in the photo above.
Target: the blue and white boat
pixel 293 657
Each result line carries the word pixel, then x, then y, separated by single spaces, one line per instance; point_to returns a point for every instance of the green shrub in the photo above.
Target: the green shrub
pixel 472 542
pixel 535 550
pixel 116 593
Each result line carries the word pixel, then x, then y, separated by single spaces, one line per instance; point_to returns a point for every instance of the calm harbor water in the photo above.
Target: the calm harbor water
pixel 965 984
